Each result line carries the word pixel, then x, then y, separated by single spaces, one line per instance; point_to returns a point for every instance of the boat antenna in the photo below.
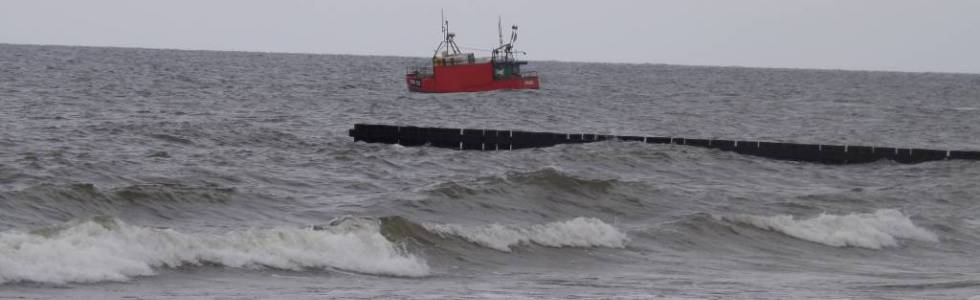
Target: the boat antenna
pixel 445 26
pixel 500 31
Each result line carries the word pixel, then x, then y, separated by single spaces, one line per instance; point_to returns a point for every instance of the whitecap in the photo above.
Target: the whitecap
pixel 577 232
pixel 93 251
pixel 972 223
pixel 875 230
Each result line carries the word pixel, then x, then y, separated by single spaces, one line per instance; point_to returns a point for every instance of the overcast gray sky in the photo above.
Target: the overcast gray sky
pixel 903 35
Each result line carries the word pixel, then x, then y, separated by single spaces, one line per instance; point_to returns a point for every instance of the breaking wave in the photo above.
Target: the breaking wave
pixel 578 232
pixel 875 230
pixel 106 249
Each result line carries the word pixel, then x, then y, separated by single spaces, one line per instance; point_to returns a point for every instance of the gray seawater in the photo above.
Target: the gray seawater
pixel 162 174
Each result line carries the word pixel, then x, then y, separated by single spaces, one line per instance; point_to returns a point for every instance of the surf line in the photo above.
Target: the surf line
pixel 490 139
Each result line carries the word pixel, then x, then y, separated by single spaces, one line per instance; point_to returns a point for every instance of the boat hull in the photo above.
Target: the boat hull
pixel 477 77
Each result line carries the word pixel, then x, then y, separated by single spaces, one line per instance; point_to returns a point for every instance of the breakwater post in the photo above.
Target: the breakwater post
pixel 490 140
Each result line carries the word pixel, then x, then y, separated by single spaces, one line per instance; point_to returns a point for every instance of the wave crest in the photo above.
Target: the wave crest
pixel 105 249
pixel 875 230
pixel 578 232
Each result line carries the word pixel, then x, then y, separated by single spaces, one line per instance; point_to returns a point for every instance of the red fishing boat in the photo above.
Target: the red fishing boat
pixel 453 71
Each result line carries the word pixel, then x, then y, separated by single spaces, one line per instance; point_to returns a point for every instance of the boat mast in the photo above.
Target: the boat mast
pixel 445 27
pixel 505 50
pixel 448 41
pixel 500 32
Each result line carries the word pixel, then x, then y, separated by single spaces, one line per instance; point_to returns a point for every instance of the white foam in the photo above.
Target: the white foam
pixel 578 232
pixel 867 230
pixel 92 251
pixel 973 224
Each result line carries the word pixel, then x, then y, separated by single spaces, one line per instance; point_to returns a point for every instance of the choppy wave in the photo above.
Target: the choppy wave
pixel 105 249
pixel 223 133
pixel 544 192
pixel 877 230
pixel 89 194
pixel 577 232
pixel 547 177
pixel 62 203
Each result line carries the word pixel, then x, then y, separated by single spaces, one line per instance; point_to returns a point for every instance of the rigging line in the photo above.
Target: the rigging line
pixel 477 49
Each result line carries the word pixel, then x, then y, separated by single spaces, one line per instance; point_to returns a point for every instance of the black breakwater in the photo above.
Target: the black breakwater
pixel 490 139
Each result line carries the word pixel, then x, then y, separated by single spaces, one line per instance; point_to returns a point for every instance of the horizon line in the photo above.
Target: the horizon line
pixel 539 60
